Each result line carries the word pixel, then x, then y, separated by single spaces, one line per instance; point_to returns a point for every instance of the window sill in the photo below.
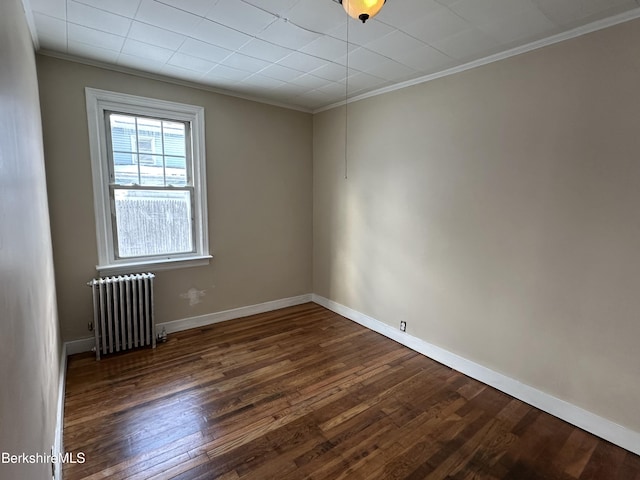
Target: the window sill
pixel 155 265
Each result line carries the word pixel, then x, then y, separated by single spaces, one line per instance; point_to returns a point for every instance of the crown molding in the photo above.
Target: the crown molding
pixel 560 37
pixel 166 79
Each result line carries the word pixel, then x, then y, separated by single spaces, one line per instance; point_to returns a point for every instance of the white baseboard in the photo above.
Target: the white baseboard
pixel 86 344
pixel 217 317
pixel 58 446
pixel 78 346
pixel 606 429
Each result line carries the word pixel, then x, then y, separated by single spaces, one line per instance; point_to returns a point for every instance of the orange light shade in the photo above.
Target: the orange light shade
pixel 362 9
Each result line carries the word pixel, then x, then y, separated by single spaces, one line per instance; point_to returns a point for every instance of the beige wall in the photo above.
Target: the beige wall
pixel 259 167
pixel 30 346
pixel 496 211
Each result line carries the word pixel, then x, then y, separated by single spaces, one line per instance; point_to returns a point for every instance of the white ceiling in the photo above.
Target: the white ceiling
pixel 293 52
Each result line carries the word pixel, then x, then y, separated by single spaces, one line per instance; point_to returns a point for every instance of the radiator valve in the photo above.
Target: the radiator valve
pixel 162 337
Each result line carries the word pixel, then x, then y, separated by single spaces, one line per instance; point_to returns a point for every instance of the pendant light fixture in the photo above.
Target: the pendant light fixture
pixel 362 9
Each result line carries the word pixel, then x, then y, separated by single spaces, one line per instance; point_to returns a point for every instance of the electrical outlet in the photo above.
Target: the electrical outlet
pixel 403 326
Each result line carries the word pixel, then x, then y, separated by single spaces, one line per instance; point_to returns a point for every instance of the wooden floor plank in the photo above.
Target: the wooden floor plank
pixel 302 393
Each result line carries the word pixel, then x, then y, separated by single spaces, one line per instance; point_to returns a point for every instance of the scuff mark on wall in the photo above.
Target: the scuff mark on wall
pixel 193 295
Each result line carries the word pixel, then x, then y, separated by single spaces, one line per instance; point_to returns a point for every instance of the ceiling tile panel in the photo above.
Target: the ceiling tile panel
pixel 292 89
pixel 360 80
pixel 399 13
pixel 302 61
pixel 155 35
pixel 219 35
pixel 52 32
pixel 281 72
pixel 592 7
pixel 126 8
pixel 328 48
pixel 426 59
pixel 437 25
pixel 264 50
pixel 241 16
pixel 331 71
pixel 263 82
pixel 573 12
pixel 52 8
pixel 447 3
pixel 276 7
pixel 204 50
pixel 191 63
pixel 395 42
pixel 528 25
pixel 333 89
pixel 561 12
pixel 144 50
pixel 363 59
pixel 317 16
pixel 169 18
pixel 466 45
pixel 362 33
pixel 198 7
pixel 100 54
pixel 77 33
pixel 309 81
pixel 222 71
pixel 316 98
pixel 486 11
pixel 391 70
pixel 244 62
pixel 287 35
pixel 98 19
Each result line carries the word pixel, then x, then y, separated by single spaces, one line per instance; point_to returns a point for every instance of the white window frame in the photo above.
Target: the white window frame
pixel 99 101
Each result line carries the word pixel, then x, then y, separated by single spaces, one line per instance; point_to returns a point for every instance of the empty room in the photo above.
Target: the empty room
pixel 320 239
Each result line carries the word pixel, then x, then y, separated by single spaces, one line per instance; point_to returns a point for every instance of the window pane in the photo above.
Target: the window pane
pixel 146 148
pixel 126 174
pixel 123 129
pixel 125 167
pixel 148 151
pixel 176 171
pixel 151 170
pixel 174 139
pixel 153 222
pixel 149 136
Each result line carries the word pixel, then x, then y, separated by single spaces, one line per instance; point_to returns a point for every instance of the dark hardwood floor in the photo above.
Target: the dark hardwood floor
pixel 304 393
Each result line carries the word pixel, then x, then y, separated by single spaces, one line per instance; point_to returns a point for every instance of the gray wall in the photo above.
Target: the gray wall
pixel 30 346
pixel 496 211
pixel 259 167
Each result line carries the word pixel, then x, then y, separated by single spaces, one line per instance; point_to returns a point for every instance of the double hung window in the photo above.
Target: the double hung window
pixel 148 166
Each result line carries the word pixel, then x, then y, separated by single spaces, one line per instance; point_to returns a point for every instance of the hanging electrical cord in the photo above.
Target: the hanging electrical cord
pixel 346 109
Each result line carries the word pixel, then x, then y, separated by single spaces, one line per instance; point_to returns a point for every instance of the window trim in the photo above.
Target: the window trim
pixel 99 101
